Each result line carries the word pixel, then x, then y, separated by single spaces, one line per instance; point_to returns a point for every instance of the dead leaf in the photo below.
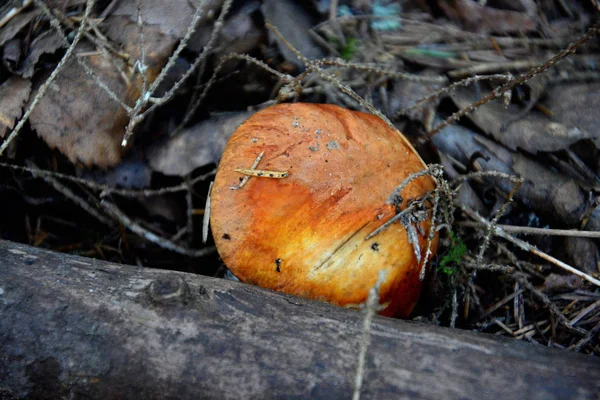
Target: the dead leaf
pixel 557 283
pixel 293 22
pixel 14 26
pixel 64 4
pixel 466 195
pixel 46 43
pixel 78 118
pixel 547 192
pixel 11 53
pixel 576 105
pixel 484 19
pixel 128 174
pixel 583 254
pixel 158 47
pixel 171 17
pixel 14 93
pixel 240 33
pixel 407 93
pixel 532 132
pixel 197 146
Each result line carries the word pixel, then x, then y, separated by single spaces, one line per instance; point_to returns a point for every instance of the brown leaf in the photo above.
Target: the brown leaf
pixel 15 25
pixel 576 105
pixel 197 146
pixel 583 254
pixel 557 283
pixel 484 19
pixel 532 131
pixel 78 118
pixel 407 93
pixel 294 22
pixel 125 32
pixel 171 17
pixel 14 93
pixel 46 43
pixel 544 190
pixel 11 53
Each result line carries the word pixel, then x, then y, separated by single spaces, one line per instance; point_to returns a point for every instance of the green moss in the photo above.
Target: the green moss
pixel 452 258
pixel 349 49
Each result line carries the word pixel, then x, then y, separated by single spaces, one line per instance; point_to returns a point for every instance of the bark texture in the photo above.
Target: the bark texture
pixel 72 327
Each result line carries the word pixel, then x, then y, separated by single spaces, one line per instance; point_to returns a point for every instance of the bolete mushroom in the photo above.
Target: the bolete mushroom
pixel 307 233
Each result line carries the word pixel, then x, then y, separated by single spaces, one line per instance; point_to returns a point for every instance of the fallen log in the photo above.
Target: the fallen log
pixel 72 327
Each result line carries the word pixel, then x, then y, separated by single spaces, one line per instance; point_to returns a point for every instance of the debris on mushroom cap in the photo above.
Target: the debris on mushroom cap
pixel 305 234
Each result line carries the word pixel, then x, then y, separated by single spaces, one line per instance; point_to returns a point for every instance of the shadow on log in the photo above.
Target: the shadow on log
pixel 72 327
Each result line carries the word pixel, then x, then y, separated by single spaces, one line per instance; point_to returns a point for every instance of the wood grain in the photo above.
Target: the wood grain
pixel 72 327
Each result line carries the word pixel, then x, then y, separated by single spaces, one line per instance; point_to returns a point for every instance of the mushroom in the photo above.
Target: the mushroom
pixel 310 232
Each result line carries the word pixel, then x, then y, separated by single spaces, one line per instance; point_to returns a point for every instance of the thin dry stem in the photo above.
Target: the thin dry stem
pixel 196 103
pixel 528 247
pixel 69 194
pixel 142 61
pixel 106 190
pixel 447 89
pixel 89 71
pixel 381 71
pixel 151 236
pixel 370 310
pixel 13 12
pixel 527 230
pixel 144 98
pixel 490 228
pixel 499 92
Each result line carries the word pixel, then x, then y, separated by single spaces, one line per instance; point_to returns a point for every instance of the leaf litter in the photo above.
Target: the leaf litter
pixel 544 131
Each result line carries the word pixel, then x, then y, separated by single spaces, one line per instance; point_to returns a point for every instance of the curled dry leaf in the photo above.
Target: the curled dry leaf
pixel 11 53
pixel 196 146
pixel 46 43
pixel 241 32
pixel 466 194
pixel 14 26
pixel 14 93
pixel 531 132
pixel 545 191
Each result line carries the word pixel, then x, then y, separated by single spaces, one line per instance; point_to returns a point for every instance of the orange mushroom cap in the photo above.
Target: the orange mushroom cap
pixel 305 234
